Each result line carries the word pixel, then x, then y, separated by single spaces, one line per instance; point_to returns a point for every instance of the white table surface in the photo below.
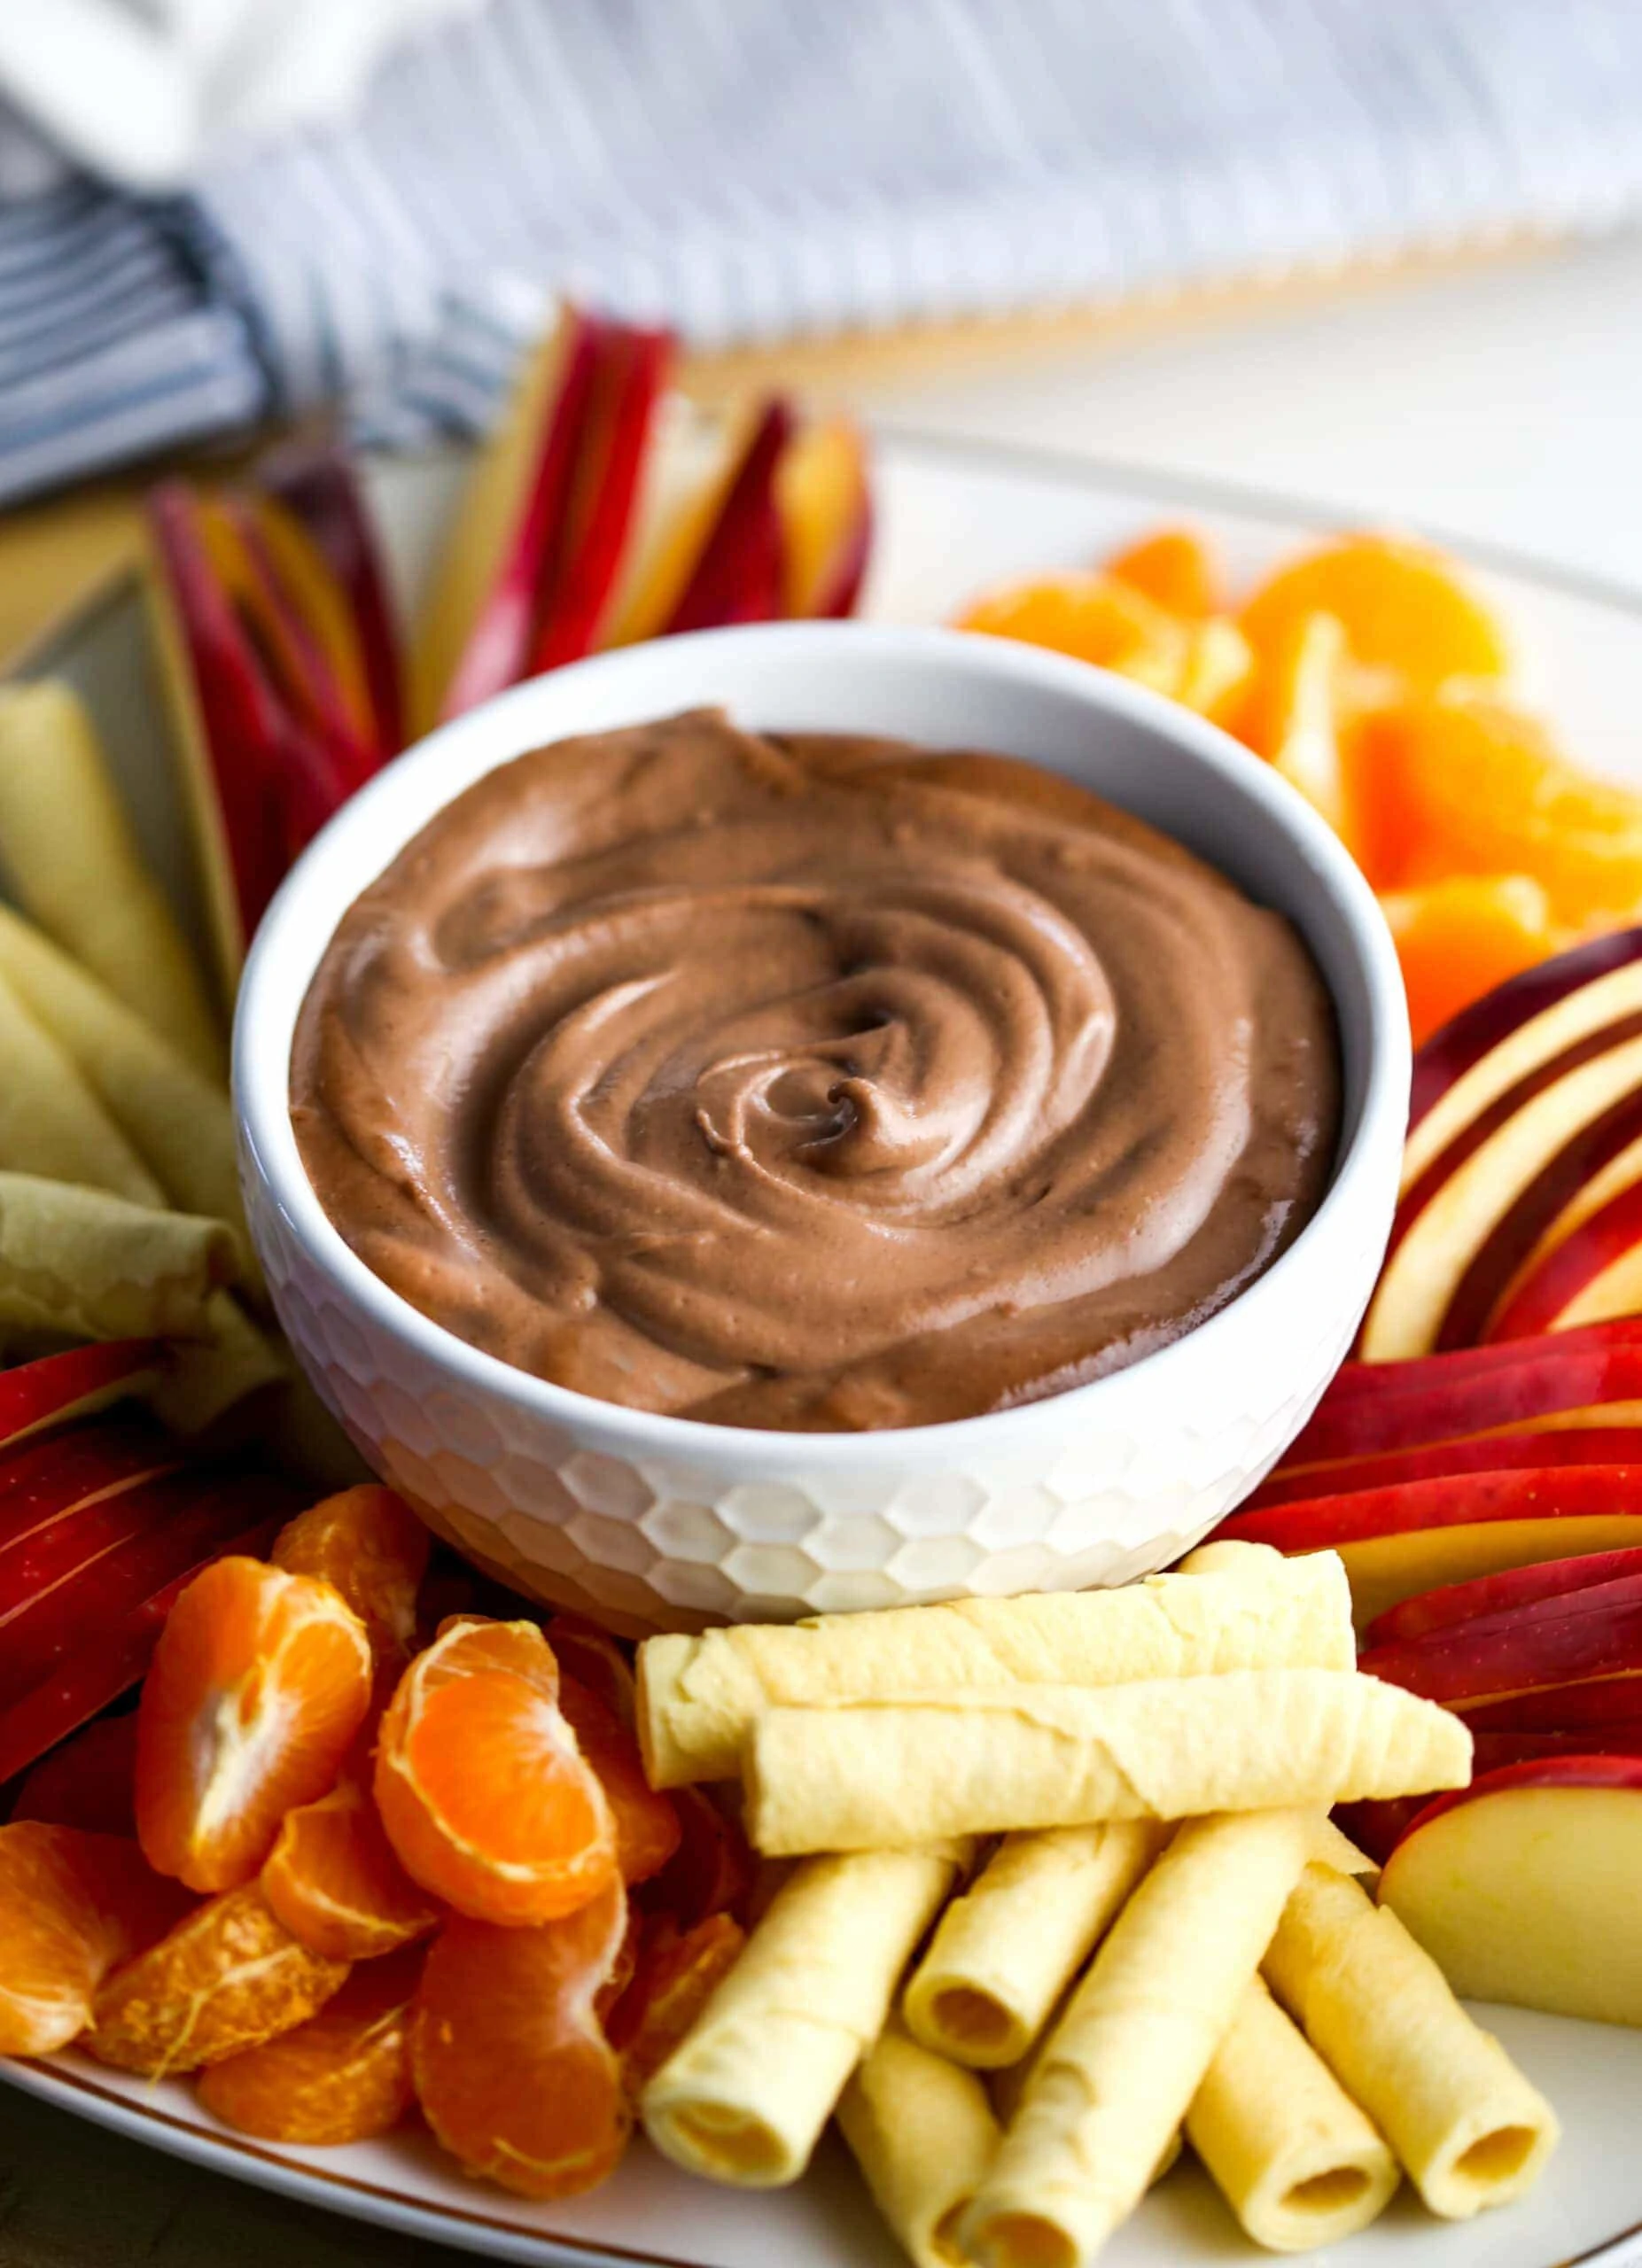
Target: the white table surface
pixel 1502 401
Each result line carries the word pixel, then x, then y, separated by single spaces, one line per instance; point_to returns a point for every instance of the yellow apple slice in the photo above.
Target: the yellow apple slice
pixel 1523 1887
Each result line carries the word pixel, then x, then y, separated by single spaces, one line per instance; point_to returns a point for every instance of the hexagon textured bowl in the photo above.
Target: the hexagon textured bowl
pixel 650 1521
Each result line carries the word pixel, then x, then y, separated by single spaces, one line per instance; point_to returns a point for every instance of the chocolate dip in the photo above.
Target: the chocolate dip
pixel 810 1081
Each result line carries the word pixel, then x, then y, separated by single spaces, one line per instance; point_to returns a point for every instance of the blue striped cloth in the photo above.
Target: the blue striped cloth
pixel 758 169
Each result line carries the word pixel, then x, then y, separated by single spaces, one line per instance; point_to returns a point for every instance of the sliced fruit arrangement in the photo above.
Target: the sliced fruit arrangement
pixel 1378 682
pixel 344 1866
pixel 598 513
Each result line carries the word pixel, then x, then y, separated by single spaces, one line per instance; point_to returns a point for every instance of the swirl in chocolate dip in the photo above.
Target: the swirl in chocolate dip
pixel 810 1081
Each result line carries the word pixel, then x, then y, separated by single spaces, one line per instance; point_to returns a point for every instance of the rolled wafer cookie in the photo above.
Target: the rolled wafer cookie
pixel 922 2131
pixel 869 1775
pixel 1468 2128
pixel 1248 1608
pixel 51 1122
pixel 1004 1952
pixel 1296 2160
pixel 745 2097
pixel 180 1122
pixel 1122 2068
pixel 72 860
pixel 79 1262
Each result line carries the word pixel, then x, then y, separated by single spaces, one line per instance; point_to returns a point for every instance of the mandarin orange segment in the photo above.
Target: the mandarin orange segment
pixel 332 1878
pixel 227 1977
pixel 508 2059
pixel 596 1660
pixel 1173 567
pixel 1404 608
pixel 676 1976
pixel 484 1794
pixel 73 1904
pixel 1482 788
pixel 342 2077
pixel 712 1869
pixel 368 1544
pixel 258 1684
pixel 1456 940
pixel 1094 618
pixel 646 1826
pixel 1217 670
pixel 1292 718
pixel 87 1781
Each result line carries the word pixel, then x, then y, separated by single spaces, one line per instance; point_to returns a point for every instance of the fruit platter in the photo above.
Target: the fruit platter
pixel 1280 1892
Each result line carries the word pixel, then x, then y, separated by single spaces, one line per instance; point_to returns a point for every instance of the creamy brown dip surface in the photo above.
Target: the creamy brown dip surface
pixel 810 1081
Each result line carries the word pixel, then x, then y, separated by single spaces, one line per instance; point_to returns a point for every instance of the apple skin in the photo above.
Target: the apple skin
pixel 1465 1038
pixel 1375 1408
pixel 1473 1453
pixel 1522 1887
pixel 1590 1633
pixel 1572 1268
pixel 737 574
pixel 1537 1492
pixel 1602 1710
pixel 319 486
pixel 1490 1595
pixel 58 1387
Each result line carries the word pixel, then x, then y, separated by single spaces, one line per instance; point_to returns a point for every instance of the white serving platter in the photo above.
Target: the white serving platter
pixel 953 518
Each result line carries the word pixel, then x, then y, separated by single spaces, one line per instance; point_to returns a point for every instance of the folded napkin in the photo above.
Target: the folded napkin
pixel 757 169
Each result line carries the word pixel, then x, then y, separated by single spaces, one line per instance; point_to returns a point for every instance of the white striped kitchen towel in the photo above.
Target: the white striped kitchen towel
pixel 757 169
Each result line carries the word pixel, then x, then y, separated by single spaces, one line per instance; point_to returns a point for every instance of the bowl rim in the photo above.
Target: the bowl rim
pixel 261 1047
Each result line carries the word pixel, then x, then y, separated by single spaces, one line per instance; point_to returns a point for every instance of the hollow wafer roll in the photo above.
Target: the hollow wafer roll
pixel 1468 2128
pixel 923 2134
pixel 1296 2159
pixel 50 1121
pixel 874 1773
pixel 80 1263
pixel 1004 1952
pixel 700 1697
pixel 746 2095
pixel 208 1375
pixel 1113 2082
pixel 180 1122
pixel 75 867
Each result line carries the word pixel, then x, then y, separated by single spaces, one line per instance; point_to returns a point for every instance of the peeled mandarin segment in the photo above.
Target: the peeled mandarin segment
pixel 227 1977
pixel 1404 607
pixel 484 1794
pixel 370 1545
pixel 646 1826
pixel 1457 940
pixel 1092 617
pixel 333 1880
pixel 1292 715
pixel 72 1906
pixel 677 1975
pixel 342 2077
pixel 510 2064
pixel 1484 789
pixel 711 1871
pixel 1174 567
pixel 1216 671
pixel 258 1685
pixel 595 1660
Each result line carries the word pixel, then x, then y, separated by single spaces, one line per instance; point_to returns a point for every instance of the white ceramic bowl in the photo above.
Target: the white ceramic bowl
pixel 649 1520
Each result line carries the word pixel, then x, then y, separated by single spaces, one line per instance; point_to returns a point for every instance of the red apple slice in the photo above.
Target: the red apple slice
pixel 497 647
pixel 736 577
pixel 1589 1273
pixel 1371 1409
pixel 575 590
pixel 231 715
pixel 293 652
pixel 1439 1460
pixel 73 1385
pixel 44 1482
pixel 1595 1633
pixel 824 502
pixel 319 488
pixel 1494 1752
pixel 1522 1887
pixel 1502 1594
pixel 1460 1247
pixel 1509 1035
pixel 1602 1710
